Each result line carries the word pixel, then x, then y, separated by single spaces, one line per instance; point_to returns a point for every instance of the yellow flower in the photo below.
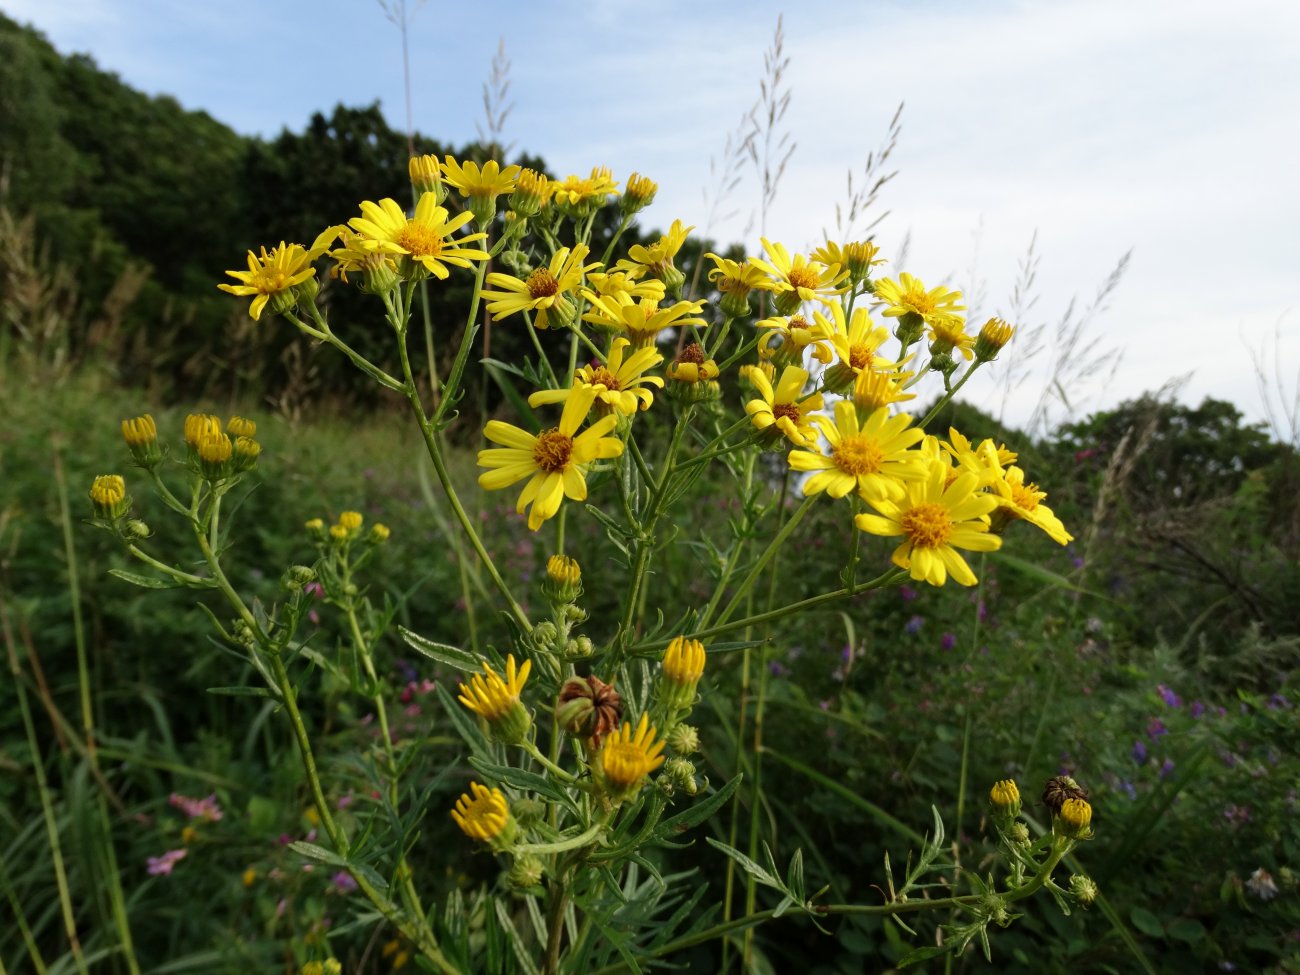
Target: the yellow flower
pixel 497 700
pixel 379 533
pixel 424 240
pixel 544 290
pixel 272 275
pixel 627 758
pixel 690 366
pixel 982 461
pixel 1024 501
pixel 784 409
pixel 797 334
pixel 585 196
pixel 485 817
pixel 490 696
pixel 657 259
pixel 351 520
pixel 108 495
pixel 620 384
pixel 798 280
pixel 554 460
pixel 614 283
pixel 491 181
pixel 247 450
pixel 934 522
pixel 357 255
pixel 857 257
pixel 734 281
pixel 642 319
pixel 870 458
pixel 872 390
pixel 908 296
pixel 249 877
pixel 855 342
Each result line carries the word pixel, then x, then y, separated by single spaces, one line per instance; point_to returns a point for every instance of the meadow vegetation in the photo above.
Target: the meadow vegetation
pixel 838 800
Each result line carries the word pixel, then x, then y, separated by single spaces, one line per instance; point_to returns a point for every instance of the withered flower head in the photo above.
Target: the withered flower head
pixel 589 708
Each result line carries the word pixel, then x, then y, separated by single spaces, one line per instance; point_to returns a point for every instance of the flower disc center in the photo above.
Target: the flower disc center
pixel 928 525
pixel 552 450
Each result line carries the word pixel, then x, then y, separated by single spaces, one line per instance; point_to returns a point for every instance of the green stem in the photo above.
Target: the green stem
pixel 766 557
pixel 947 397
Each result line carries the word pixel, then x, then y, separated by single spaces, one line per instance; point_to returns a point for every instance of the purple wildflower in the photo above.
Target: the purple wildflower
pixel 205 809
pixel 907 593
pixel 1197 709
pixel 914 625
pixel 1168 696
pixel 1139 752
pixel 1166 768
pixel 948 641
pixel 1156 728
pixel 1279 702
pixel 343 882
pixel 162 866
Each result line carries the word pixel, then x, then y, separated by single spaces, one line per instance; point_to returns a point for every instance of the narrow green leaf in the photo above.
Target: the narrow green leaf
pixel 143 581
pixel 696 814
pixel 442 653
pixel 313 852
pixel 241 692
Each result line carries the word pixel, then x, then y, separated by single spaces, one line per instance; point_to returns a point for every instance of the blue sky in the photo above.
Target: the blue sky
pixel 1099 125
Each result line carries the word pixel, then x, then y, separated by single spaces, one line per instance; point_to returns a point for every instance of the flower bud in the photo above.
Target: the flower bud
pixel 199 425
pixel 563 582
pixel 135 529
pixel 1083 889
pixel 691 366
pixel 544 636
pixel 214 451
pixel 1005 798
pixel 680 773
pixel 580 646
pixel 315 529
pixel 530 194
pixel 525 873
pixel 787 302
pixel 302 574
pixel 351 520
pixel 141 436
pixel 379 533
pixel 638 193
pixel 683 665
pixel 426 176
pixel 1018 834
pixel 306 291
pixel 1074 819
pixel 684 740
pixel 941 359
pixel 573 615
pixel 240 427
pixel 993 336
pixel 247 451
pixel 910 328
pixel 108 495
pixel 528 812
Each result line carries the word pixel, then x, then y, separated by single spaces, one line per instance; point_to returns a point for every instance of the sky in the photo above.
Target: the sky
pixel 1094 128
